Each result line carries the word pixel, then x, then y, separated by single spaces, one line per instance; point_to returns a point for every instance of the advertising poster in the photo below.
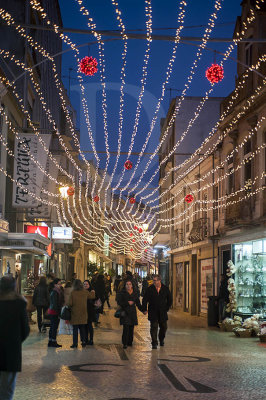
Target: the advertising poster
pixel 207 282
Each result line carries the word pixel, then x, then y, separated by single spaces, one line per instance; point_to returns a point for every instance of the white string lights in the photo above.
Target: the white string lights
pixel 123 222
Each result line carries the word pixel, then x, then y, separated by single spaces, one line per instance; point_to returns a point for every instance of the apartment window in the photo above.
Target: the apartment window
pixel 215 203
pixel 1 125
pixel 231 178
pixel 247 147
pixel 248 54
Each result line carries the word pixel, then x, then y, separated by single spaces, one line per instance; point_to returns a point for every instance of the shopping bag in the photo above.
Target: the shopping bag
pixel 65 328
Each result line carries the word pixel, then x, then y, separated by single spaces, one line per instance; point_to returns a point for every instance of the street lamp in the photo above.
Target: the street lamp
pixel 63 191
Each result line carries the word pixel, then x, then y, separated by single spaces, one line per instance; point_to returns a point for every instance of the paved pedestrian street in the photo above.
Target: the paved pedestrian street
pixel 195 363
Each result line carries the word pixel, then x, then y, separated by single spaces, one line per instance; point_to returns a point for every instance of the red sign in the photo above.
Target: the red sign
pixel 41 230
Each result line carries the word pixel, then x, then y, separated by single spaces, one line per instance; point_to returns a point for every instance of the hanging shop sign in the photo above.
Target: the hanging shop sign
pixel 62 234
pixel 26 172
pixel 41 230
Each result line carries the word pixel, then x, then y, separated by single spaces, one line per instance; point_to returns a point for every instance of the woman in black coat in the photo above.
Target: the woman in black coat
pixel 14 328
pixel 41 300
pixel 128 299
pixel 91 314
pixel 99 287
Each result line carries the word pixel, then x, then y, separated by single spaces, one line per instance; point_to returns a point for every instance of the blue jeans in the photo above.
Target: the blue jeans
pixel 53 328
pixel 7 384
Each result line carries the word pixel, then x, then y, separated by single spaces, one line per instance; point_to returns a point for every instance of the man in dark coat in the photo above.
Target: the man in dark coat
pixel 159 298
pixel 14 328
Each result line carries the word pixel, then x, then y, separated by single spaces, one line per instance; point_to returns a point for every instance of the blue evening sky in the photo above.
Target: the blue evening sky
pixel 133 14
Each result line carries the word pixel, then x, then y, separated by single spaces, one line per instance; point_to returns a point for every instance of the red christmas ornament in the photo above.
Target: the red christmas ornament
pixel 189 198
pixel 215 73
pixel 131 234
pixel 81 231
pixel 88 65
pixel 145 250
pixel 96 198
pixel 111 244
pixel 145 242
pixel 135 227
pixel 140 230
pixel 70 191
pixel 132 200
pixel 133 240
pixel 128 165
pixel 131 249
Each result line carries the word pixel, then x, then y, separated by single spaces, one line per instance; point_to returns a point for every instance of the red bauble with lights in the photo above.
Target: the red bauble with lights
pixel 96 198
pixel 81 231
pixel 133 240
pixel 145 242
pixel 70 191
pixel 131 234
pixel 131 249
pixel 189 198
pixel 215 73
pixel 88 65
pixel 111 244
pixel 140 230
pixel 135 227
pixel 132 200
pixel 128 165
pixel 145 250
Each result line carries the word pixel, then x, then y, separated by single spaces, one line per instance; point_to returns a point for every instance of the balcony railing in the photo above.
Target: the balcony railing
pixel 240 211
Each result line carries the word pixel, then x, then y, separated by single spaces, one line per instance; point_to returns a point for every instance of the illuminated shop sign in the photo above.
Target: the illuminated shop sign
pixel 41 230
pixel 62 233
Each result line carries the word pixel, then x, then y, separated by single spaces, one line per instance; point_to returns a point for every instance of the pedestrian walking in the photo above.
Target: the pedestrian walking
pixel 79 316
pixel 56 303
pixel 159 298
pixel 108 289
pixel 117 282
pixel 223 296
pixel 14 328
pixel 41 300
pixel 91 314
pixel 99 286
pixel 128 299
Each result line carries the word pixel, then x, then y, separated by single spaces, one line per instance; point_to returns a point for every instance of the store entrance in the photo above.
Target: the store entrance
pixel 186 286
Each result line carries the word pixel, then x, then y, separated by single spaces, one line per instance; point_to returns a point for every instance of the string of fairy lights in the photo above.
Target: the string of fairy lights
pixel 94 209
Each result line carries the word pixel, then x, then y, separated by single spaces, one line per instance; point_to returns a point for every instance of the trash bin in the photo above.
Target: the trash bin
pixel 213 310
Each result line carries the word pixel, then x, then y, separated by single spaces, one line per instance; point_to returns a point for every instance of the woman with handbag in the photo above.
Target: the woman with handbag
pixel 91 314
pixel 79 316
pixel 128 299
pixel 99 287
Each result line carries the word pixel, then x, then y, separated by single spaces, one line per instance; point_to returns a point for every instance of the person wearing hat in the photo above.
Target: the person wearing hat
pixel 14 328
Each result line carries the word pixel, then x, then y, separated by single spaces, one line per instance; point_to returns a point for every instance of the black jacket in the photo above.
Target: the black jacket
pixel 56 300
pixel 159 303
pixel 91 309
pixel 14 328
pixel 130 317
pixel 41 296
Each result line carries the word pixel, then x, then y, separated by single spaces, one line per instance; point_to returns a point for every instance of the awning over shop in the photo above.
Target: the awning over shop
pixel 24 243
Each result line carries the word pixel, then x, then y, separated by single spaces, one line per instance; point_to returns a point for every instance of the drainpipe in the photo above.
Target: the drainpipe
pixel 213 240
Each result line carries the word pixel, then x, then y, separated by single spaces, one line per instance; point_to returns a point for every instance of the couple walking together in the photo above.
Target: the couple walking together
pixel 157 297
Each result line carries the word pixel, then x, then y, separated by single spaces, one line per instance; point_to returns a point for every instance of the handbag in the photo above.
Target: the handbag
pixel 119 313
pixel 66 313
pixel 98 303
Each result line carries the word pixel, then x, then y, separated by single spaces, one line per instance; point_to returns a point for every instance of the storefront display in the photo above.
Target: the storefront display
pixel 250 277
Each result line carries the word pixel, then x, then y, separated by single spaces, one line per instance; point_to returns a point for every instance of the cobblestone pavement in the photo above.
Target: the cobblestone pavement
pixel 195 364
